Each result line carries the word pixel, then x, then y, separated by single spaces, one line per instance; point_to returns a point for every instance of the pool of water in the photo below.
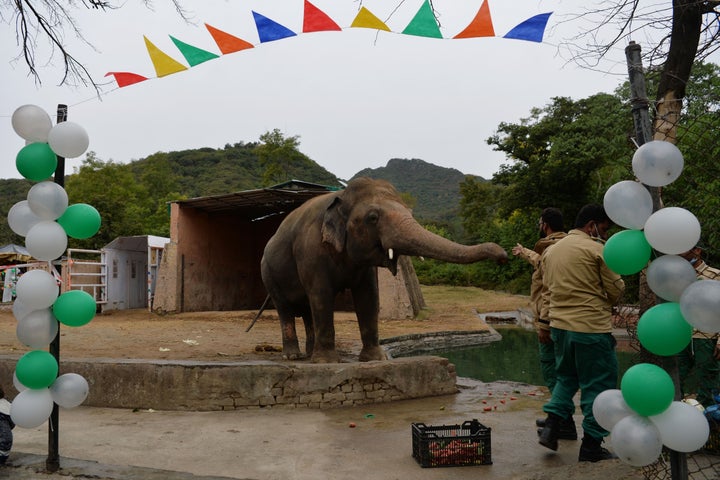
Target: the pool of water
pixel 514 358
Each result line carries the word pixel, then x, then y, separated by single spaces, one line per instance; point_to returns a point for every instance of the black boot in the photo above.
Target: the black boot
pixel 566 431
pixel 549 433
pixel 591 450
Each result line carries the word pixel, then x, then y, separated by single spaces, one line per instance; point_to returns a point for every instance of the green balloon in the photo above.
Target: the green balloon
pixel 627 252
pixel 80 221
pixel 663 330
pixel 74 308
pixel 36 161
pixel 36 369
pixel 647 389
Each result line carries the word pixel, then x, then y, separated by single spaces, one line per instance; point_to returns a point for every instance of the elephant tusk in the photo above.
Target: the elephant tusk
pixel 390 253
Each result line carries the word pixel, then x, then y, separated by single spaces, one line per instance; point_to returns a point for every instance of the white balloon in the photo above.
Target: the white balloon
pixel 672 230
pixel 628 204
pixel 32 123
pixel 68 139
pixel 37 289
pixel 37 329
pixel 46 240
pixel 20 310
pixel 682 427
pixel 31 408
pixel 16 383
pixel 69 390
pixel 669 275
pixel 47 200
pixel 700 305
pixel 21 218
pixel 657 163
pixel 609 408
pixel 636 440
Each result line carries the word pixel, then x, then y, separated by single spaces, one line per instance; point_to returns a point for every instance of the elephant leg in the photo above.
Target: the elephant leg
pixel 291 347
pixel 309 333
pixel 367 308
pixel 323 318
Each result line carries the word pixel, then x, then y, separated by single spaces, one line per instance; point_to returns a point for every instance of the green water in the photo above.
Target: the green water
pixel 514 358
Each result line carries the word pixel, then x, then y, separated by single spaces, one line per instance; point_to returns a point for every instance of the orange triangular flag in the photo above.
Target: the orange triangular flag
pixel 164 63
pixel 124 79
pixel 365 19
pixel 481 26
pixel 315 20
pixel 228 43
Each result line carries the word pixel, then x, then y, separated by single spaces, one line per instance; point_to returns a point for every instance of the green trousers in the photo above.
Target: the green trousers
pixel 547 364
pixel 585 362
pixel 699 371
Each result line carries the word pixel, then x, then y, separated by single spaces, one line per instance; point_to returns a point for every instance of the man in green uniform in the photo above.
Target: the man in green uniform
pixel 700 358
pixel 552 229
pixel 581 293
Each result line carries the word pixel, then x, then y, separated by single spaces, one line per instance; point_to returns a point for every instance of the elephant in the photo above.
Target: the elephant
pixel 335 242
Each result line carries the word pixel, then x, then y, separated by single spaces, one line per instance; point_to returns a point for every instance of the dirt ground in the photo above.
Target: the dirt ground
pixel 222 336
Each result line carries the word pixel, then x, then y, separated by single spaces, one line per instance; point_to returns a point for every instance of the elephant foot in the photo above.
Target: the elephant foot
pixel 374 352
pixel 325 357
pixel 292 353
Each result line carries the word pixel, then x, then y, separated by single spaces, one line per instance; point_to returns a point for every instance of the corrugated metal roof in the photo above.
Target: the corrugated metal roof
pixel 257 204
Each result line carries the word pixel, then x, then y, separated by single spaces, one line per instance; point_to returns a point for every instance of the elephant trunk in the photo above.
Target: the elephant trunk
pixel 410 238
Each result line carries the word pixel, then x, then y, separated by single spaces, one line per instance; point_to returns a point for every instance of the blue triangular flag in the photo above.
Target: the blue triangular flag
pixel 269 30
pixel 531 29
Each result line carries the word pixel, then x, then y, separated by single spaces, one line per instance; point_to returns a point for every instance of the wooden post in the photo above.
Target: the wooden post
pixel 643 134
pixel 52 463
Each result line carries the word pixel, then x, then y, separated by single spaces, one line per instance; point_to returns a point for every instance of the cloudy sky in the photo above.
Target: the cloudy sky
pixel 355 98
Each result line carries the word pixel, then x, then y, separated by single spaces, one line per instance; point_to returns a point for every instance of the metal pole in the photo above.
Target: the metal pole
pixel 52 463
pixel 643 134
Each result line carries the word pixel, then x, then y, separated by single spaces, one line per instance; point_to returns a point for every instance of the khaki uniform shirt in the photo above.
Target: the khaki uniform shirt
pixel 536 283
pixel 581 289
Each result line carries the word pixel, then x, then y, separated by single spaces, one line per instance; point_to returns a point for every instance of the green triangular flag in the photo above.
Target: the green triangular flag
pixel 193 55
pixel 424 23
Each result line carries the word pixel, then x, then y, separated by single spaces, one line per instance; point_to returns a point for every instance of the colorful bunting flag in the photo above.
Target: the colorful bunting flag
pixel 315 20
pixel 269 30
pixel 366 19
pixel 193 55
pixel 228 43
pixel 531 29
pixel 424 23
pixel 124 79
pixel 164 64
pixel 481 26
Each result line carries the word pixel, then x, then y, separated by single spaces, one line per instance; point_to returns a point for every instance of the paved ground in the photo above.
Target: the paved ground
pixel 283 444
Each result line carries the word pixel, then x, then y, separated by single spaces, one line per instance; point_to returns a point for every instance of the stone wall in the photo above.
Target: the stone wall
pixel 196 386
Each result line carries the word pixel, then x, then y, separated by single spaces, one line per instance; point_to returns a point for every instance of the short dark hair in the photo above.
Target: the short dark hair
pixel 589 213
pixel 553 218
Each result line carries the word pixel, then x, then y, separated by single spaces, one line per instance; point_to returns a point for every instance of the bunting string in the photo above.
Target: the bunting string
pixel 423 24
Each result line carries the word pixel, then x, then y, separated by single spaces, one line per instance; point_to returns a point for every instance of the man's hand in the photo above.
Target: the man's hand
pixel 517 249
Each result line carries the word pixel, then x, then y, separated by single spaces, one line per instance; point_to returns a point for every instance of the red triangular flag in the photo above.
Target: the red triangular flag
pixel 481 26
pixel 124 79
pixel 315 20
pixel 228 43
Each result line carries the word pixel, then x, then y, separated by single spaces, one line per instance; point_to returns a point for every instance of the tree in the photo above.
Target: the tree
pixel 39 23
pixel 277 154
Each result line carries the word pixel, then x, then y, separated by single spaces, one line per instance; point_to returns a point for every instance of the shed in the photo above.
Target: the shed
pixel 131 265
pixel 212 262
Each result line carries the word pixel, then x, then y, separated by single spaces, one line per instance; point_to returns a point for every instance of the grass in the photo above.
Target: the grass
pixel 451 299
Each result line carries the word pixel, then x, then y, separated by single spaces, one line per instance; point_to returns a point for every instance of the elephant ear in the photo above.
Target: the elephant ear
pixel 333 229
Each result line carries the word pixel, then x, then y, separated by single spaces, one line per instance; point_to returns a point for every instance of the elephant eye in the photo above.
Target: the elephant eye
pixel 372 217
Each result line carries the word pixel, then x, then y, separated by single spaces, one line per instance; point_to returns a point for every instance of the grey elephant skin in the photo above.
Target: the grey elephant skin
pixel 335 242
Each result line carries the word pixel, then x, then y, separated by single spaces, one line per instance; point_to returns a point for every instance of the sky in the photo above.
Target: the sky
pixel 355 98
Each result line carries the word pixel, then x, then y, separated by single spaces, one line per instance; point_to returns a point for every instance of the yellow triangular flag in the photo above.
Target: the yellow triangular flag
pixel 365 19
pixel 164 63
